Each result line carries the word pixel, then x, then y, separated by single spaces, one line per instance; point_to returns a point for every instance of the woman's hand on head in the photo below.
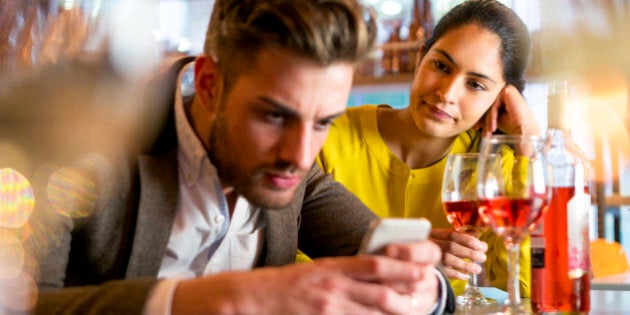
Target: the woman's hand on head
pixel 510 114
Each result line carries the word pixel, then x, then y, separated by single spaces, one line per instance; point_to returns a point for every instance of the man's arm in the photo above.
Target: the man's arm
pixel 82 261
pixel 115 297
pixel 330 207
pixel 333 220
pixel 339 285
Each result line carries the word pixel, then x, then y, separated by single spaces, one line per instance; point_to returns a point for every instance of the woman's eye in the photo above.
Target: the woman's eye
pixel 440 66
pixel 477 86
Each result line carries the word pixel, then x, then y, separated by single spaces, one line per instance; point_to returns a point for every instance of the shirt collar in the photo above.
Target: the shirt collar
pixel 191 152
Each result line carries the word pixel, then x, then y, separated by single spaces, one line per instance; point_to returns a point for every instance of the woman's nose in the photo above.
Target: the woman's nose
pixel 448 90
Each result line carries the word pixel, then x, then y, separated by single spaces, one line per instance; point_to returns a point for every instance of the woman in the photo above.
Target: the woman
pixel 467 83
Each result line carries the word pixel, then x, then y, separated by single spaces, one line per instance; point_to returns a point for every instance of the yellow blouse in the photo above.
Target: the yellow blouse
pixel 357 156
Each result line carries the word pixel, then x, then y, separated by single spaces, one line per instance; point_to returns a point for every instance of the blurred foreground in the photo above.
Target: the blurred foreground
pixel 73 96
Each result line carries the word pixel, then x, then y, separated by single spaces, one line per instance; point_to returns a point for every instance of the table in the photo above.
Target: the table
pixel 613 282
pixel 603 302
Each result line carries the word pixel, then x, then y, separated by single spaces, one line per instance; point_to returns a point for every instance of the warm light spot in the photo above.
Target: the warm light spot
pixel 16 198
pixel 71 193
pixel 23 232
pixel 390 7
pixel 19 293
pixel 11 255
pixel 13 156
pixel 602 109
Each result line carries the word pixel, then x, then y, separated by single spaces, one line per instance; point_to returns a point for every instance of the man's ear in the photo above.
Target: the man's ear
pixel 208 81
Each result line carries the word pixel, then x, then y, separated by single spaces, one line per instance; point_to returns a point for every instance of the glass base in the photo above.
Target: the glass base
pixel 472 296
pixel 506 311
pixel 515 310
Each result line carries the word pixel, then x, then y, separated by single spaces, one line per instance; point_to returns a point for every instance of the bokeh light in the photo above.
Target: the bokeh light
pixel 19 293
pixel 16 198
pixel 12 155
pixel 11 255
pixel 71 192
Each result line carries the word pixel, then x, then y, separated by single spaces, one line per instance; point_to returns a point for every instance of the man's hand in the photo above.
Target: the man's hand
pixel 460 251
pixel 403 281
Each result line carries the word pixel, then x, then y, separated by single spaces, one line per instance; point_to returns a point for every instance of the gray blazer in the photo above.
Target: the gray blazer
pixel 107 263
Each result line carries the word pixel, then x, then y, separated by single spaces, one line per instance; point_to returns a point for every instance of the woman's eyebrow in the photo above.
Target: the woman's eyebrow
pixel 450 59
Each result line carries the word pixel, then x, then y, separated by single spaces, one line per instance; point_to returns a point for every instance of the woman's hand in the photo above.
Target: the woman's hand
pixel 459 252
pixel 510 114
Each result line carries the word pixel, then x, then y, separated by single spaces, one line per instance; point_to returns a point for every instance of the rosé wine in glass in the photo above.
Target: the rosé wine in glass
pixel 513 197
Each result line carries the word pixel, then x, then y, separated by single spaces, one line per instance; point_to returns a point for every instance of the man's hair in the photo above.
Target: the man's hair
pixel 324 31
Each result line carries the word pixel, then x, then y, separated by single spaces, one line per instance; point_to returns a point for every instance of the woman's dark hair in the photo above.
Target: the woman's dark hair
pixel 499 19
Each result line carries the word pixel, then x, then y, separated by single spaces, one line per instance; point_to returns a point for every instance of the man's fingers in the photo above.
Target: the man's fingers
pixel 425 252
pixel 375 268
pixel 390 288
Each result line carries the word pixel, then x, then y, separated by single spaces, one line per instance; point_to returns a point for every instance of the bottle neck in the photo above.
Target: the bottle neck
pixel 554 132
pixel 559 137
pixel 559 105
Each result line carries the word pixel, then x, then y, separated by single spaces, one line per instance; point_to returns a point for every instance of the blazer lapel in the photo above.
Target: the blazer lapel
pixel 157 206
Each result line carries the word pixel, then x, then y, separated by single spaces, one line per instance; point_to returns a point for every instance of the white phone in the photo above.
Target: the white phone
pixel 393 230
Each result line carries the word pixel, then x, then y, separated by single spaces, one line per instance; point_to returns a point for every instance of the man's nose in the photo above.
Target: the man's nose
pixel 297 146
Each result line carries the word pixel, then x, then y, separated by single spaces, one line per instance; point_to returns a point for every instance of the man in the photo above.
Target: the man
pixel 231 185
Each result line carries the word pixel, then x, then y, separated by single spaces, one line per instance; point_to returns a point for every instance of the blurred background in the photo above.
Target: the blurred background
pixel 73 77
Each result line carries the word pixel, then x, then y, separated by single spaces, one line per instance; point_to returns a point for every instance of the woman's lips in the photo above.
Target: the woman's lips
pixel 438 113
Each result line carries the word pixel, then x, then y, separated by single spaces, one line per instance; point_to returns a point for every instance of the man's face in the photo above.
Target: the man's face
pixel 269 127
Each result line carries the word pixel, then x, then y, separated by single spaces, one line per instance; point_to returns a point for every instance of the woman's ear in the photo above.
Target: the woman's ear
pixel 208 81
pixel 419 56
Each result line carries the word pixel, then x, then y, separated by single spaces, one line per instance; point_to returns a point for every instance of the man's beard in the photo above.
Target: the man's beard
pixel 249 185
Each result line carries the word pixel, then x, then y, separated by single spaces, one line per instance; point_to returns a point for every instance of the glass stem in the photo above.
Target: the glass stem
pixel 472 281
pixel 513 284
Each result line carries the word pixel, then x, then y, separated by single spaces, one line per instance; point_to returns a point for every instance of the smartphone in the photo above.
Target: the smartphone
pixel 393 230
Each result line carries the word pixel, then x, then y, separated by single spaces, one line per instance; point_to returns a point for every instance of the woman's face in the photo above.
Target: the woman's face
pixel 456 82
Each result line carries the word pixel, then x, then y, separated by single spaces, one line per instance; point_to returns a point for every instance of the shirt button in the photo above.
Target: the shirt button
pixel 412 176
pixel 219 219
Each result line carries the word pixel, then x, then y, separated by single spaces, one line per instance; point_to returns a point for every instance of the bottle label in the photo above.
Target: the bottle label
pixel 538 256
pixel 577 225
pixel 537 245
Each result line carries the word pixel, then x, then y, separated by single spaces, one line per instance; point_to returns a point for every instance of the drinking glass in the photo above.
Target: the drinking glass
pixel 459 197
pixel 512 198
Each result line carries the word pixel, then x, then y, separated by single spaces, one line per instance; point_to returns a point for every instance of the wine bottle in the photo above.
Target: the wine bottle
pixel 560 244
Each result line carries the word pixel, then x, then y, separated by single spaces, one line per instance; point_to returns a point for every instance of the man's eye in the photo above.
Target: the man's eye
pixel 274 117
pixel 323 124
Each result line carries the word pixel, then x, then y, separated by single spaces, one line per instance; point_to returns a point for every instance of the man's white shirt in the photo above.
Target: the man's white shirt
pixel 204 238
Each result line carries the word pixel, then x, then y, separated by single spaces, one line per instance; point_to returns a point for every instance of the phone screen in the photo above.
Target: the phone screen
pixel 394 230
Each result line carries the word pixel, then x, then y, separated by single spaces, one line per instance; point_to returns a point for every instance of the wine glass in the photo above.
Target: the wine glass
pixel 459 197
pixel 512 197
